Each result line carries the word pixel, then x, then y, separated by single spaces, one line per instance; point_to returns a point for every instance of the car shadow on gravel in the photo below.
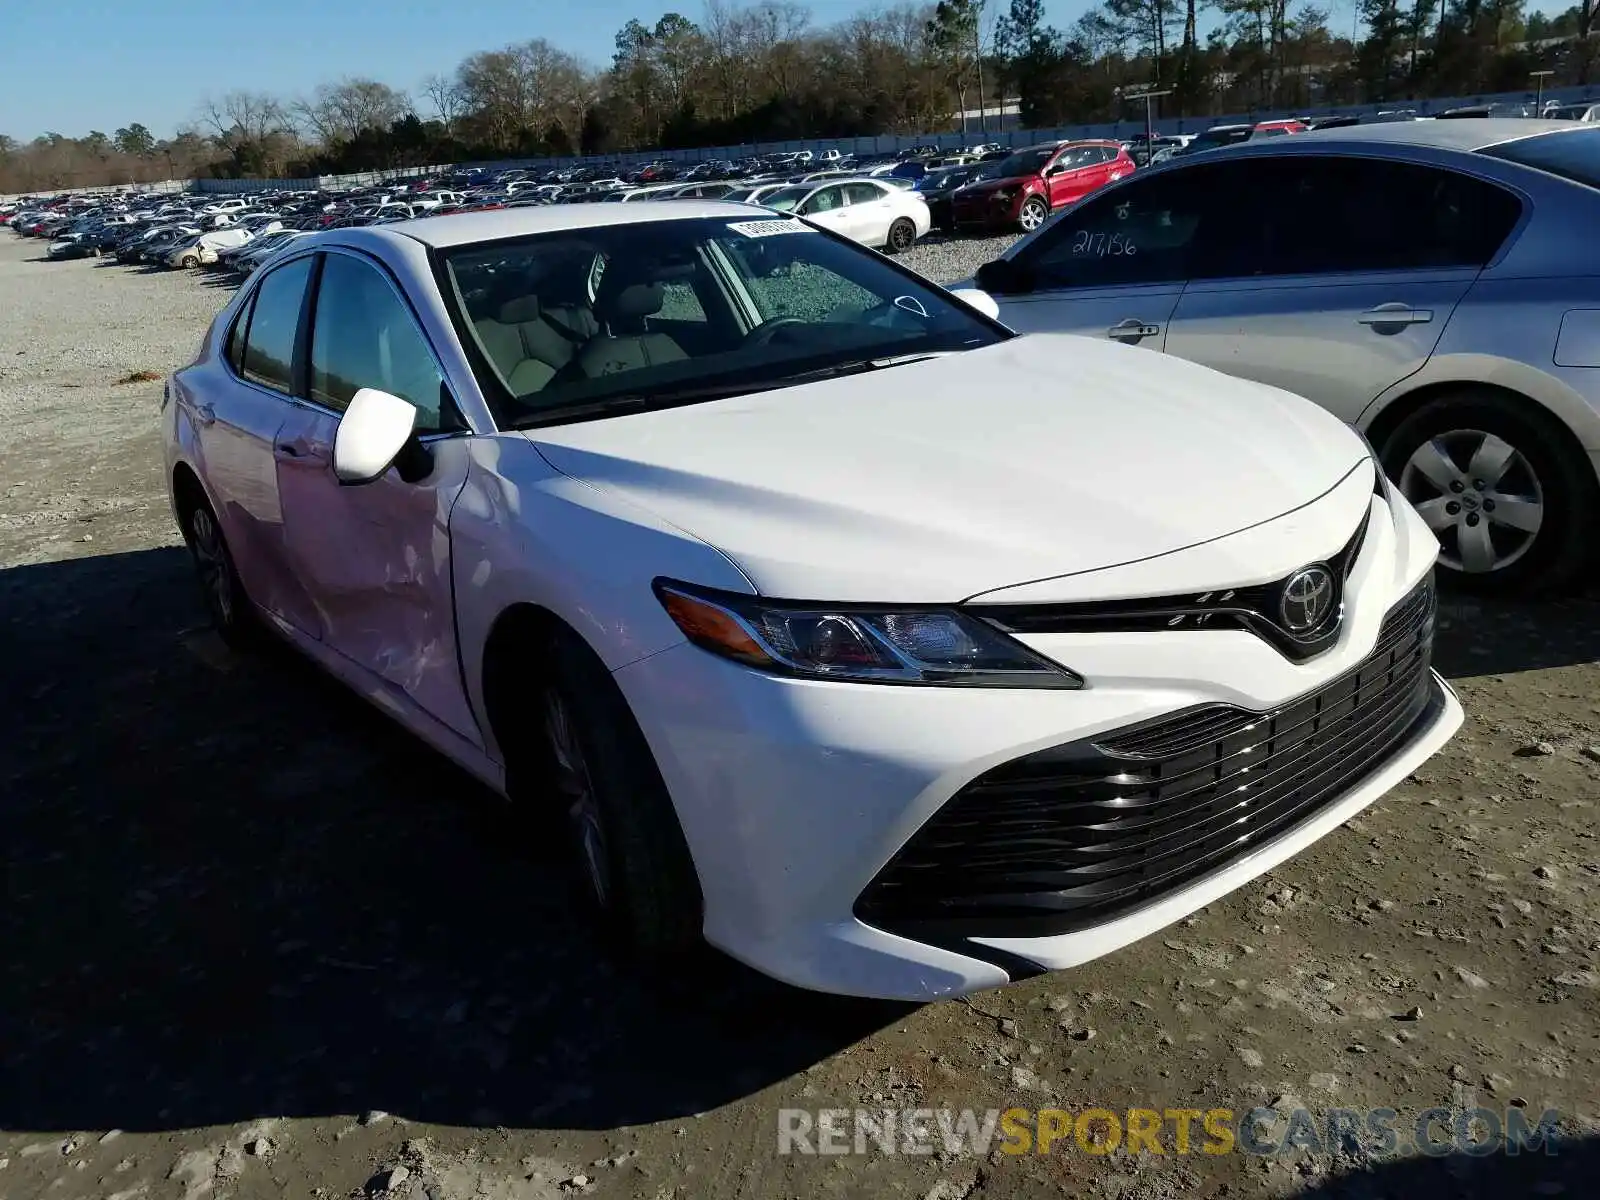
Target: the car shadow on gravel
pixel 233 890
pixel 1497 637
pixel 1567 1168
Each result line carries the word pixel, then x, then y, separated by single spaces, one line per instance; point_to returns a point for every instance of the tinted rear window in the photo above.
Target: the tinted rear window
pixel 1572 154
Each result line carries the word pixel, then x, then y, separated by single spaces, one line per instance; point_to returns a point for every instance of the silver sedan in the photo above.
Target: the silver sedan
pixel 1434 283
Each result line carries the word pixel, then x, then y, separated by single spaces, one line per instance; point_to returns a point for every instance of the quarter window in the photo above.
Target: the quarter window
pixel 364 336
pixel 274 323
pixel 862 193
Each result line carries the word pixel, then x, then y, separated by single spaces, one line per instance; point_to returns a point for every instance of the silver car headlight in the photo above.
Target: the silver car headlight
pixel 857 643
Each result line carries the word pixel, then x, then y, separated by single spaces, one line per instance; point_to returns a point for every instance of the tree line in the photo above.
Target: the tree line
pixel 763 70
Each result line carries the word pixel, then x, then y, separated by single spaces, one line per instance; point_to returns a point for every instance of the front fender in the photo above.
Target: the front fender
pixel 522 532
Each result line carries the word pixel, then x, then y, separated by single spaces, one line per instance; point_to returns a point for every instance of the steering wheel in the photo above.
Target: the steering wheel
pixel 763 333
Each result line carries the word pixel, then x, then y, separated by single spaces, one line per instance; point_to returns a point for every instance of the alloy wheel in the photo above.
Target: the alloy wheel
pixel 575 786
pixel 211 561
pixel 901 235
pixel 1479 495
pixel 1032 216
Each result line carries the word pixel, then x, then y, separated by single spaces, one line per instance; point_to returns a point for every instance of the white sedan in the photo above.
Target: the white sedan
pixel 834 623
pixel 870 211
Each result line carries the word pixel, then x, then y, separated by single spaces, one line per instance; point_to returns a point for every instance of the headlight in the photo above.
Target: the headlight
pixel 856 643
pixel 1005 193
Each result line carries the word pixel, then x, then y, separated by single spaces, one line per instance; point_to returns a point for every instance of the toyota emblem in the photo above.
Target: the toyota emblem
pixel 1307 599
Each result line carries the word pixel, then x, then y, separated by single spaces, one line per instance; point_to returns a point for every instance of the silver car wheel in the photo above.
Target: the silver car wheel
pixel 1032 215
pixel 576 789
pixel 211 561
pixel 1479 494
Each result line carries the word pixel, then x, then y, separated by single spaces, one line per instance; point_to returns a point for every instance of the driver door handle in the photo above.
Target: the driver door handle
pixel 1132 330
pixel 1395 314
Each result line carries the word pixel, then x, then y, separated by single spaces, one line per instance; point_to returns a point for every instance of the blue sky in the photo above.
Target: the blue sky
pixel 78 65
pixel 75 66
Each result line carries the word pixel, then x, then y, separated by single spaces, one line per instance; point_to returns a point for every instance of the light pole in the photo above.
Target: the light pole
pixel 1148 93
pixel 1540 77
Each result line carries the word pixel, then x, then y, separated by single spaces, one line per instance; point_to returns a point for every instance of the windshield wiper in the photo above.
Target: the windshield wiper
pixel 636 402
pixel 856 366
pixel 612 406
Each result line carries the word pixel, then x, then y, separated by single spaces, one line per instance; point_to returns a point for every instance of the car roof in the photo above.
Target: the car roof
pixel 460 229
pixel 1470 134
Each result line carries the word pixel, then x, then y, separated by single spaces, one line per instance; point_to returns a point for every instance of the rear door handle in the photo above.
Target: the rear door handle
pixel 1132 330
pixel 205 414
pixel 1396 314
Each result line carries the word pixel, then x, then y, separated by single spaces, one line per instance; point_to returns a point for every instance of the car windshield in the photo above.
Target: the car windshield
pixel 591 322
pixel 784 199
pixel 1213 138
pixel 1570 153
pixel 1024 162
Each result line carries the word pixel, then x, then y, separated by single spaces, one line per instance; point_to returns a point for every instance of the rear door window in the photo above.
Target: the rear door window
pixel 1338 214
pixel 275 325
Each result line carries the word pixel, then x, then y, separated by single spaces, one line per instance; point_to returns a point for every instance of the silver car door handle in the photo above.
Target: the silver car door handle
pixel 204 414
pixel 1399 314
pixel 1132 330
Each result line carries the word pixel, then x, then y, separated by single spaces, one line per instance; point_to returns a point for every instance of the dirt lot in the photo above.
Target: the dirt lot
pixel 257 944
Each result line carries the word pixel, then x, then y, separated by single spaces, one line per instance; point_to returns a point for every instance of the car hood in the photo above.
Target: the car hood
pixel 989 185
pixel 934 481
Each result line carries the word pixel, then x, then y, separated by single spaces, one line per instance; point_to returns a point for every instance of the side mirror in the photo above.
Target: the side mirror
pixel 979 300
pixel 1004 277
pixel 373 431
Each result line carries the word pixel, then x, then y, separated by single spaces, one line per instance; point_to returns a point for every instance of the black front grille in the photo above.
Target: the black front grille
pixel 1071 836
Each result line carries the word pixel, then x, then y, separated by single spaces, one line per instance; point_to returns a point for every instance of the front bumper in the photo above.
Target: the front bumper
pixel 988 211
pixel 800 799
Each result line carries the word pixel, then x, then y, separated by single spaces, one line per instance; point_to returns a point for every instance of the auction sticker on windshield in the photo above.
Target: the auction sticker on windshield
pixel 769 227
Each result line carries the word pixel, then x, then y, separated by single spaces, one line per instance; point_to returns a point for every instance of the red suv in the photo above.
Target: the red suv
pixel 1022 190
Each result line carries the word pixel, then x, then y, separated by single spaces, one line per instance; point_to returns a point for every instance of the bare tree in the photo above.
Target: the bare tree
pixel 445 96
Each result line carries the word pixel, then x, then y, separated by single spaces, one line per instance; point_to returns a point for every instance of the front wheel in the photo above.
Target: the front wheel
pixel 901 236
pixel 1495 479
pixel 1033 214
pixel 624 833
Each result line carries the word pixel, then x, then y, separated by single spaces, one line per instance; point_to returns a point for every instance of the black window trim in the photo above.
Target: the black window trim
pixel 308 327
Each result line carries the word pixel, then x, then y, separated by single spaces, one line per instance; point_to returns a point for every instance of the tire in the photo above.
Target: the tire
pixel 902 236
pixel 188 262
pixel 1527 469
pixel 232 614
pixel 1034 214
pixel 627 845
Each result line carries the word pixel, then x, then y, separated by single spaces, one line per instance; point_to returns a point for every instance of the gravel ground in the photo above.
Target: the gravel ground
pixel 947 259
pixel 258 944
